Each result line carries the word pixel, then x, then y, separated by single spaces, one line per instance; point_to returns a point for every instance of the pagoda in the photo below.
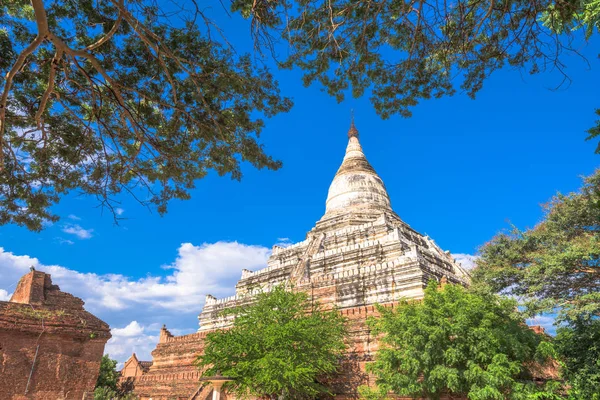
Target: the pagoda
pixel 359 254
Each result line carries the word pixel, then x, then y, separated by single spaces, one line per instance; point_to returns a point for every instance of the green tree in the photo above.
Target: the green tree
pixel 562 16
pixel 280 346
pixel 556 264
pixel 118 97
pixel 124 96
pixel 579 348
pixel 108 386
pixel 459 343
pixel 105 393
pixel 403 51
pixel 108 377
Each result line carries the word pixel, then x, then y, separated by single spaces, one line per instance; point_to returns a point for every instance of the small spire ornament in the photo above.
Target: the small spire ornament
pixel 352 132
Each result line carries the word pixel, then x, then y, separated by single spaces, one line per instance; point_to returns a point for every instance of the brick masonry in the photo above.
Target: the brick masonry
pixel 360 253
pixel 50 347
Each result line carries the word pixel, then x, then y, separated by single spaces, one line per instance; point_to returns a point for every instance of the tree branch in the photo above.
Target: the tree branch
pixel 49 89
pixel 8 85
pixel 110 33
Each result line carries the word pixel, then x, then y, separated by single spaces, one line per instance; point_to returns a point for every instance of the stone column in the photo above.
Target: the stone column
pixel 217 385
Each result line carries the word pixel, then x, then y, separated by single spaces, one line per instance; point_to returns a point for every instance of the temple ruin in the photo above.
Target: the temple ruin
pixel 360 253
pixel 50 347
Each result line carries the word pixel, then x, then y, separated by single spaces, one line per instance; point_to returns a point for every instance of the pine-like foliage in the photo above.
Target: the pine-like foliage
pixel 280 347
pixel 456 343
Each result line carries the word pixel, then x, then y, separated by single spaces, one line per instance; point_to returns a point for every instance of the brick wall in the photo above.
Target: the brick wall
pixel 68 340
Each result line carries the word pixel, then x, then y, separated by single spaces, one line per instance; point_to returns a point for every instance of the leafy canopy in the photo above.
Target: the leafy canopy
pixel 129 96
pixel 404 51
pixel 280 346
pixel 106 97
pixel 108 376
pixel 458 343
pixel 573 15
pixel 579 348
pixel 556 264
pixel 108 386
pixel 105 393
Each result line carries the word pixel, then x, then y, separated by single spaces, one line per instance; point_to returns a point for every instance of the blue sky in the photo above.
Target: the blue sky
pixel 459 170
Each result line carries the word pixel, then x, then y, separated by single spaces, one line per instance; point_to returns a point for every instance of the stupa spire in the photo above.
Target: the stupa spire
pixel 356 185
pixel 352 132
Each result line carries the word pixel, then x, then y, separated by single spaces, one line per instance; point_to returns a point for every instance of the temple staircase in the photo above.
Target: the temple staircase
pixel 302 268
pixel 202 392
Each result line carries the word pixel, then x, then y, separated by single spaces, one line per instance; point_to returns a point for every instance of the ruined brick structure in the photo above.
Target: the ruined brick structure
pixel 134 368
pixel 359 253
pixel 50 347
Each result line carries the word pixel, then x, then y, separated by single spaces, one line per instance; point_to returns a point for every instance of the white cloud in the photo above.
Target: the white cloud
pixel 133 329
pixel 74 229
pixel 546 321
pixel 136 308
pixel 4 295
pixel 74 217
pixel 119 211
pixel 62 240
pixel 131 339
pixel 12 268
pixel 283 242
pixel 467 261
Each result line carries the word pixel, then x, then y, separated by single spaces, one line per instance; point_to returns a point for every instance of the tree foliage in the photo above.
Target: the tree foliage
pixel 105 393
pixel 105 97
pixel 457 343
pixel 556 264
pixel 579 348
pixel 573 15
pixel 281 346
pixel 594 132
pixel 404 51
pixel 108 386
pixel 108 377
pixel 129 96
